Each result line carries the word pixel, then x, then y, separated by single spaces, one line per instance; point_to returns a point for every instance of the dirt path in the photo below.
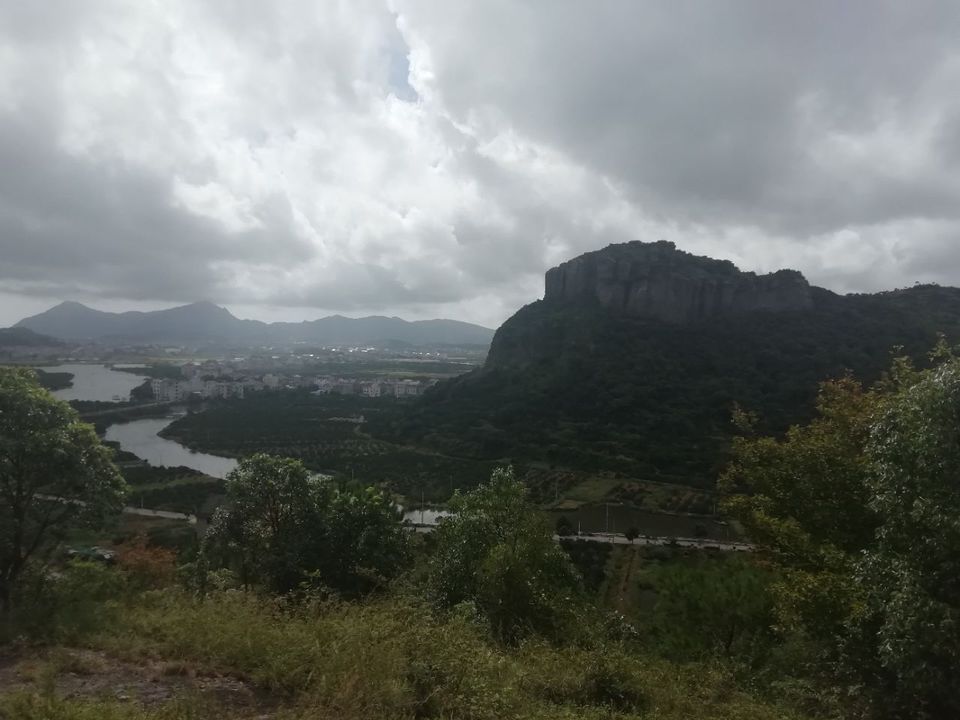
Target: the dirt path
pixel 626 580
pixel 79 673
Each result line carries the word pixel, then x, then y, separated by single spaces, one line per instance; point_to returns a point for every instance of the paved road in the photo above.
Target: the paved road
pixel 612 538
pixel 699 543
pixel 166 514
pixel 130 510
pixel 617 539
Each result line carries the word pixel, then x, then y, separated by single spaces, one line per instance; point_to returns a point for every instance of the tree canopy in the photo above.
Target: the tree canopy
pixel 281 526
pixel 859 509
pixel 498 553
pixel 54 475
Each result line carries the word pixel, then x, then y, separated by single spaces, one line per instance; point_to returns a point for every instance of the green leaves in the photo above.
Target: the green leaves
pixel 54 474
pixel 814 476
pixel 281 527
pixel 912 572
pixel 498 553
pixel 861 509
pixel 716 607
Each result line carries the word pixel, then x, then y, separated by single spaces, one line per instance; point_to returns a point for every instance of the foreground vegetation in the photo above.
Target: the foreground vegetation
pixel 308 597
pixel 393 657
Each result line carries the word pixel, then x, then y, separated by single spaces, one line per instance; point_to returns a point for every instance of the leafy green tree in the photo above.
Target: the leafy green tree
pixel 805 500
pixel 54 476
pixel 263 530
pixel 714 608
pixel 497 552
pixel 907 637
pixel 371 544
pixel 860 508
pixel 281 526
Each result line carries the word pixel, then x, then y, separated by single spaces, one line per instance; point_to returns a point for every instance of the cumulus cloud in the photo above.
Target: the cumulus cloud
pixel 423 158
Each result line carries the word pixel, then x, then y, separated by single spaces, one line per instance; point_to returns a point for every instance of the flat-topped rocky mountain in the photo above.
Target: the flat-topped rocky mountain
pixel 638 353
pixel 658 281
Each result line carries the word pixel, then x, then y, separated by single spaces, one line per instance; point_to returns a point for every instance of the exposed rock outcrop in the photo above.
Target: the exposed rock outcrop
pixel 658 281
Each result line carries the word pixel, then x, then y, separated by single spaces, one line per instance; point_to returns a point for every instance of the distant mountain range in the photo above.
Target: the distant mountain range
pixel 637 354
pixel 206 323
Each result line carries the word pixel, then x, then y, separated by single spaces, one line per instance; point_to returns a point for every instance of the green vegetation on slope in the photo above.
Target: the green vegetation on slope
pixel 858 510
pixel 179 489
pixel 580 387
pixel 327 435
pixel 390 658
pixel 54 380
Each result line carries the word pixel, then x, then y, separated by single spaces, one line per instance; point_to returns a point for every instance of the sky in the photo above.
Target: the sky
pixel 297 158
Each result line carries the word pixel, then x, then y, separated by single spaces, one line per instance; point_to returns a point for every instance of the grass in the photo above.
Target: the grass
pixel 387 658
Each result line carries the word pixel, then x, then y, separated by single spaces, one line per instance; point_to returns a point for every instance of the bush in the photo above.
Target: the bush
pixel 145 566
pixel 68 605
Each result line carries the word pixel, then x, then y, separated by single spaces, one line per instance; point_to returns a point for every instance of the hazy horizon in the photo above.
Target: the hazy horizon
pixel 309 313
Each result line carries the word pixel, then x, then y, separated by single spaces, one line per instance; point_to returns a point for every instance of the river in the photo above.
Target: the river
pixel 140 437
pixel 96 382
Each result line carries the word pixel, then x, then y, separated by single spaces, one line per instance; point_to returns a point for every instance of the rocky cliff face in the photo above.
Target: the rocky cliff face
pixel 656 280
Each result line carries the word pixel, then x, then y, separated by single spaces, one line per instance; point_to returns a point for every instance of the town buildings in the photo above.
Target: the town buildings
pixel 168 390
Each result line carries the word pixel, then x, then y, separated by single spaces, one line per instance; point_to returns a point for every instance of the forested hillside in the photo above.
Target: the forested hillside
pixel 576 382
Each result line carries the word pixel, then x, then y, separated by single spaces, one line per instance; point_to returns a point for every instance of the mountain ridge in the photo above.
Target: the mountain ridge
pixel 579 381
pixel 658 280
pixel 204 321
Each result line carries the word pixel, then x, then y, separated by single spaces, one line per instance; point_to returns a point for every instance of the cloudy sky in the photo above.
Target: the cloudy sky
pixel 428 158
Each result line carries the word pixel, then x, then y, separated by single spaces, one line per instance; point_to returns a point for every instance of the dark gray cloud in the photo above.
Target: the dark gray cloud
pixel 424 158
pixel 750 113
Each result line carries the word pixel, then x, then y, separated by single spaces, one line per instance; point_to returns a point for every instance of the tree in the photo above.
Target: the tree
pixel 54 475
pixel 715 607
pixel 906 641
pixel 371 545
pixel 281 526
pixel 632 533
pixel 264 528
pixel 146 566
pixel 859 509
pixel 804 499
pixel 497 552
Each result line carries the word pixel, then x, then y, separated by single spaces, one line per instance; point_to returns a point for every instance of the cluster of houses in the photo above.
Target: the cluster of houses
pixel 169 390
pixel 372 388
pixel 198 385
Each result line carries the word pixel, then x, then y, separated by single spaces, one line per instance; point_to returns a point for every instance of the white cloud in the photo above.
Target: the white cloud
pixel 422 158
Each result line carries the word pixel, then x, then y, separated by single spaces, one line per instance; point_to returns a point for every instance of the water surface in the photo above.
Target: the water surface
pixel 96 382
pixel 140 437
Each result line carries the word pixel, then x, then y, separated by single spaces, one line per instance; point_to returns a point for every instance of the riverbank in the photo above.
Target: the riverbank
pixel 143 437
pixel 93 382
pixel 54 381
